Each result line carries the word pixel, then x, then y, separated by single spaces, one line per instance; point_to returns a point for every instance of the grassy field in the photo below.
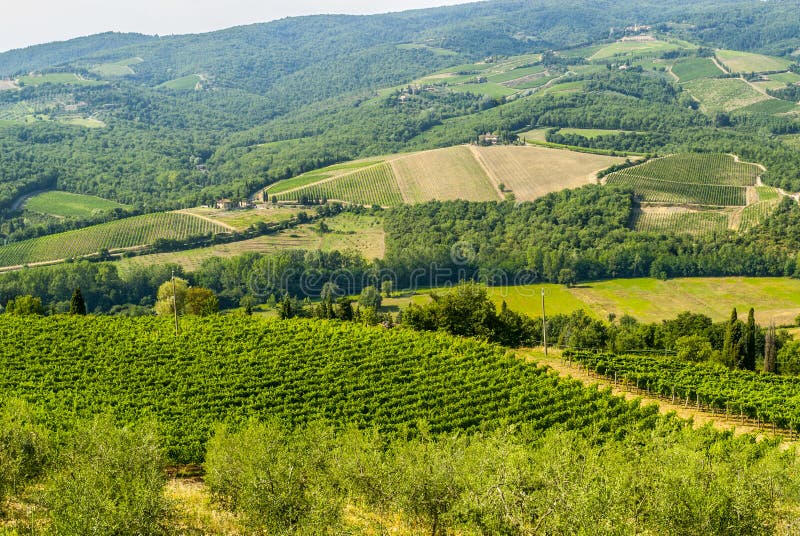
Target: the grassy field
pixel 86 122
pixel 360 233
pixel 56 78
pixel 652 300
pixel 489 89
pixel 592 132
pixel 69 205
pixel 746 62
pixel 443 174
pixel 766 193
pixel 538 134
pixel 694 68
pixel 623 49
pixel 185 83
pixel 117 68
pixel 786 78
pixel 649 300
pixel 723 95
pixel 242 219
pixel 115 235
pixel 531 172
pixel 435 50
pixel 515 74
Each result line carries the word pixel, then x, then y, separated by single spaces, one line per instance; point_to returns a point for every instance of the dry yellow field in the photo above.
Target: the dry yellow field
pixel 443 174
pixel 531 172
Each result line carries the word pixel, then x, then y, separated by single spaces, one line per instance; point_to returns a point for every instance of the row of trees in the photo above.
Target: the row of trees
pixel 100 478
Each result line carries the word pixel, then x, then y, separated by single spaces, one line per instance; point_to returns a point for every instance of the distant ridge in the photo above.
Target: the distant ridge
pixel 35 57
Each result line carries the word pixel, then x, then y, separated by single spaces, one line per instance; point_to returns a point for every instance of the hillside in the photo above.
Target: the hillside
pixel 129 233
pixel 467 172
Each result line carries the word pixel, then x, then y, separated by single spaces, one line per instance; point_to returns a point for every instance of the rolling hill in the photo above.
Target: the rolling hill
pixel 464 172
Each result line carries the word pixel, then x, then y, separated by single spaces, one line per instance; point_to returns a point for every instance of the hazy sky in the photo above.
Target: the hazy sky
pixel 29 22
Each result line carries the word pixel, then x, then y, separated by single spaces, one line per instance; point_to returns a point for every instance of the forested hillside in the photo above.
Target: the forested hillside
pixel 269 101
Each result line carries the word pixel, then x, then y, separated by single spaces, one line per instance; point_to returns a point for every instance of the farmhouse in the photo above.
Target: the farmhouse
pixel 225 204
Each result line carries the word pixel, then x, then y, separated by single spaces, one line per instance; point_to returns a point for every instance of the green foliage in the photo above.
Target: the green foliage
pixel 171 297
pixel 76 304
pixel 671 480
pixel 585 230
pixel 279 480
pixel 467 311
pixel 200 302
pixel 109 481
pixel 370 297
pixel 25 306
pixel 25 448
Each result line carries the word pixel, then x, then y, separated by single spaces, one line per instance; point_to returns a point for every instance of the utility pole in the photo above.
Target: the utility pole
pixel 544 326
pixel 175 303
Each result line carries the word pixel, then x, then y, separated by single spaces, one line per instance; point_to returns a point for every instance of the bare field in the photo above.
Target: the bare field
pixel 443 174
pixel 531 172
pixel 7 84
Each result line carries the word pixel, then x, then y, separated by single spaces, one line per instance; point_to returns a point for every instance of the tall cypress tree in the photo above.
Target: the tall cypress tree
pixel 76 305
pixel 733 349
pixel 770 350
pixel 749 362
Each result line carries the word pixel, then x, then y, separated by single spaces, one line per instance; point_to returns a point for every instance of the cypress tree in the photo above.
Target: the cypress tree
pixel 749 362
pixel 76 305
pixel 770 350
pixel 733 348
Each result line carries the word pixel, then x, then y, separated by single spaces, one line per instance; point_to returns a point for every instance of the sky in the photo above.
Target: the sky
pixel 30 22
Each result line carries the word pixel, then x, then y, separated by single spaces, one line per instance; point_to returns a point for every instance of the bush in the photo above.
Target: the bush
pixel 277 480
pixel 110 481
pixel 24 447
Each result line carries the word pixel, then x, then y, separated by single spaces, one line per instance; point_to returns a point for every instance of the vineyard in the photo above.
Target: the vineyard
pixel 125 233
pixel 698 179
pixel 711 169
pixel 694 68
pixel 226 369
pixel 684 221
pixel 661 191
pixel 723 94
pixel 755 214
pixel 766 398
pixel 373 185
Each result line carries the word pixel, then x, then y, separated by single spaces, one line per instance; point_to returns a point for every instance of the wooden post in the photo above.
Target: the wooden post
pixel 175 302
pixel 544 326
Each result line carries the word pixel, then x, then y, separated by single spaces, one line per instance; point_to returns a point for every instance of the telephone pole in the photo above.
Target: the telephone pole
pixel 175 303
pixel 544 326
